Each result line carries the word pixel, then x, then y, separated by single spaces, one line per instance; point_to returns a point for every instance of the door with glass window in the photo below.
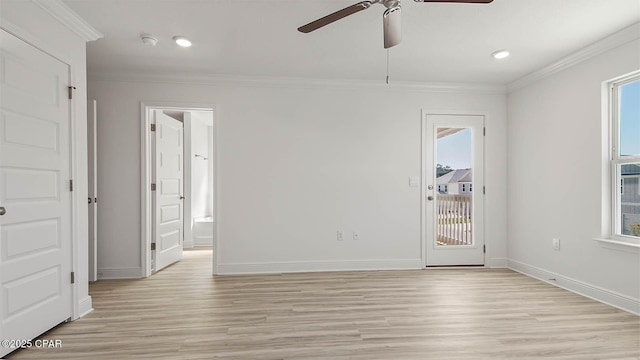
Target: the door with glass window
pixel 453 171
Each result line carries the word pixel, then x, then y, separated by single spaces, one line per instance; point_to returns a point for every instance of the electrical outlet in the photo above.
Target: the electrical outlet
pixel 356 236
pixel 340 235
pixel 556 244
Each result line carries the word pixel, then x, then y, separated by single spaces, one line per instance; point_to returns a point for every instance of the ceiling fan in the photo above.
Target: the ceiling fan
pixel 390 18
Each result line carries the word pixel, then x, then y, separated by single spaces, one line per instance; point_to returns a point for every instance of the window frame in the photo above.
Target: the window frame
pixel 615 160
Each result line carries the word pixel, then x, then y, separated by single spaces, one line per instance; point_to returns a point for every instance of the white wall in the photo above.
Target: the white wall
pixel 201 196
pixel 555 142
pixel 296 163
pixel 39 27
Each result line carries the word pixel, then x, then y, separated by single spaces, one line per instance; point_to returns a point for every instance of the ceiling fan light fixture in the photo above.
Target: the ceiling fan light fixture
pixel 392 27
pixel 182 41
pixel 501 54
pixel 391 17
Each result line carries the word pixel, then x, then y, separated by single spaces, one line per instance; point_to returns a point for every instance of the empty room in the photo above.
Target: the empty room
pixel 328 179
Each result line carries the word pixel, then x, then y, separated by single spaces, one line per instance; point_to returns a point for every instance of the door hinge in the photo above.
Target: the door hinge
pixel 70 89
pixel 153 187
pixel 484 131
pixel 73 277
pixel 153 246
pixel 71 185
pixel 153 127
pixel 484 249
pixel 484 190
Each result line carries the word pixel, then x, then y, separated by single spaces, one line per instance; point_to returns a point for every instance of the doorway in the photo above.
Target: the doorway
pixel 454 185
pixel 178 183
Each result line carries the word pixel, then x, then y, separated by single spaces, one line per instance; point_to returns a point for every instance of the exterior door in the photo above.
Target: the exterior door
pixel 35 194
pixel 168 196
pixel 454 190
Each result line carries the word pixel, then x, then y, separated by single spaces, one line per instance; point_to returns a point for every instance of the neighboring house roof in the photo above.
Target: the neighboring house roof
pixel 455 176
pixel 631 169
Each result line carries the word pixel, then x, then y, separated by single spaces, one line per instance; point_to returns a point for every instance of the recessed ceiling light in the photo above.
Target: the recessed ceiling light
pixel 182 41
pixel 500 54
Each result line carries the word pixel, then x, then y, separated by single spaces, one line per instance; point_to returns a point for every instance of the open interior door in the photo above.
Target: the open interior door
pixel 168 195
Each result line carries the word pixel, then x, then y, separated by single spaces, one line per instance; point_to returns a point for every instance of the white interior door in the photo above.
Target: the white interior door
pixel 454 181
pixel 168 197
pixel 92 157
pixel 35 197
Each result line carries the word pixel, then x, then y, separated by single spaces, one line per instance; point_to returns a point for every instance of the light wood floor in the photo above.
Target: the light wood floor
pixel 185 313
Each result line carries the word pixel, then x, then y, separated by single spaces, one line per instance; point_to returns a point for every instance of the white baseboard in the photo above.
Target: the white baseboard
pixel 318 266
pixel 85 306
pixel 119 273
pixel 605 296
pixel 496 263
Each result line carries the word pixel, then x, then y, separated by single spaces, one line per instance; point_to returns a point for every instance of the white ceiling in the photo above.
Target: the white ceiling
pixel 441 42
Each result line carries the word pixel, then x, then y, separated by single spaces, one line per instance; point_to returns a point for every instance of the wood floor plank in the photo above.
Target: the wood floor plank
pixel 453 314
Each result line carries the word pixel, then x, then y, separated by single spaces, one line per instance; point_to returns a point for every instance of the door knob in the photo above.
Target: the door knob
pixel 181 197
pixel 2 210
pixel 430 198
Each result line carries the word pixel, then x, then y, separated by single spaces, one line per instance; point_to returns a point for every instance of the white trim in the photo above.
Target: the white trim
pixel 145 178
pixel 77 215
pixel 610 42
pixel 239 80
pixel 145 192
pixel 318 266
pixel 120 273
pixel 27 37
pixel 85 306
pixel 423 186
pixel 67 17
pixel 188 241
pixel 605 296
pixel 618 245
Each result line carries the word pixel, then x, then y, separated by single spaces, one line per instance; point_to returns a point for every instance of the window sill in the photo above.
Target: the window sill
pixel 621 245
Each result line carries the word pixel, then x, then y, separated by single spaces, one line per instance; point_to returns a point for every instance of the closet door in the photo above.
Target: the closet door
pixel 35 192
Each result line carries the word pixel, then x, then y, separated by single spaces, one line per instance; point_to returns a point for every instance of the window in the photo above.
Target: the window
pixel 464 187
pixel 625 157
pixel 470 187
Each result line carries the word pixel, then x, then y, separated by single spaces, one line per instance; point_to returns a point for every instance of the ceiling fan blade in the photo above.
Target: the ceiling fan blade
pixel 392 23
pixel 314 25
pixel 457 1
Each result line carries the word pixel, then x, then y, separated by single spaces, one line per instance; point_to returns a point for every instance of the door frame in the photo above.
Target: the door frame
pixel 423 175
pixel 146 173
pixel 92 190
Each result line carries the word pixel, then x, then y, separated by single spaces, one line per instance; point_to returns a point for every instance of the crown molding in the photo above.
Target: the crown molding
pixel 240 80
pixel 610 42
pixel 61 12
